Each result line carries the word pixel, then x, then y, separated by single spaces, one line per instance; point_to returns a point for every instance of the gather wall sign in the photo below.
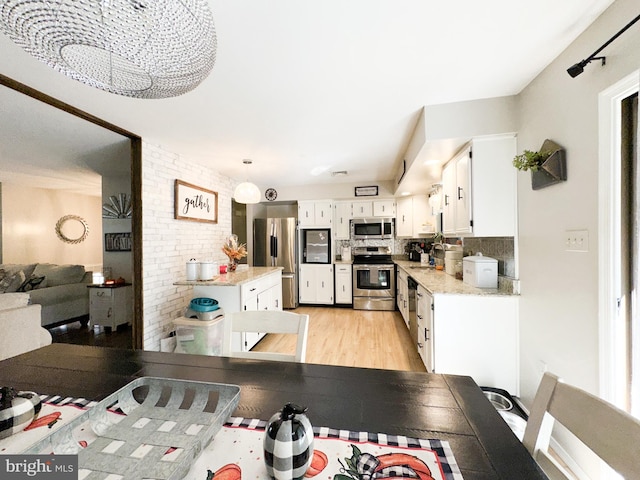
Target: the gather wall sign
pixel 195 203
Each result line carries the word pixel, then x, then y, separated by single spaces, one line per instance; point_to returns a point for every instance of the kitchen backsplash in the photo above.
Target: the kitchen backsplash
pixel 500 248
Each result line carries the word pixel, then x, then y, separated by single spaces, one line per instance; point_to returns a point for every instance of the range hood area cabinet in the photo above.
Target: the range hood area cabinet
pixel 345 210
pixel 479 186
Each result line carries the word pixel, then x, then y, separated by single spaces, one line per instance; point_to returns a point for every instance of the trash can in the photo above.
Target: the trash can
pixel 508 408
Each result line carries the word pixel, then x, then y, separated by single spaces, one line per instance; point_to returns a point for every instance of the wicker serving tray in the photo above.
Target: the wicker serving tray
pixel 161 414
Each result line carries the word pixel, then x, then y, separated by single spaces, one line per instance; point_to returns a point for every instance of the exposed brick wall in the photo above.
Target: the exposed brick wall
pixel 167 244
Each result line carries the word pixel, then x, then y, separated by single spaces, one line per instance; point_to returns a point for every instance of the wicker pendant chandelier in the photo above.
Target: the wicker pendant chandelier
pixel 136 48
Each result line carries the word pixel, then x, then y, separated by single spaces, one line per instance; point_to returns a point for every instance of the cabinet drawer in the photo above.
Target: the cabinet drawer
pixel 343 269
pixel 253 288
pixel 101 292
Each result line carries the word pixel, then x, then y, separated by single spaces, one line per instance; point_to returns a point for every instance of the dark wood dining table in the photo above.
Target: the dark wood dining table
pixel 418 405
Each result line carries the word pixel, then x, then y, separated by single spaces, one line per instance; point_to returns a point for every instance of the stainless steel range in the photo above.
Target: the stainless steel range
pixel 374 284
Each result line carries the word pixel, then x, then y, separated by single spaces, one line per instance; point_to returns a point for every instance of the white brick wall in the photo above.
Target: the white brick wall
pixel 167 244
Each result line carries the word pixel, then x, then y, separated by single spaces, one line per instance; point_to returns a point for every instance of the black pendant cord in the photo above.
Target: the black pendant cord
pixel 578 68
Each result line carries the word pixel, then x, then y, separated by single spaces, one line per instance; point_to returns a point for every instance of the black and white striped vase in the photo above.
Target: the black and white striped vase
pixel 288 443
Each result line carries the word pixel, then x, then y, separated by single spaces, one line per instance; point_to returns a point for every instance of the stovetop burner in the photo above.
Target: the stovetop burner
pixel 373 255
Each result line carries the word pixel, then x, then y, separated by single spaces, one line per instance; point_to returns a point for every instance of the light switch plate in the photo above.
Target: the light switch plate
pixel 576 240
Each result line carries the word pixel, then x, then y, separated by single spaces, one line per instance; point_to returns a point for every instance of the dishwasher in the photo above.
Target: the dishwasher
pixel 413 319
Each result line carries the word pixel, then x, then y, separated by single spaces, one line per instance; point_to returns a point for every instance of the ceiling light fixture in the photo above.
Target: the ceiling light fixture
pixel 135 48
pixel 577 68
pixel 247 192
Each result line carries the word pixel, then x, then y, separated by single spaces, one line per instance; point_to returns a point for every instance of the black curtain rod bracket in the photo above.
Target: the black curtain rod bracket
pixel 578 68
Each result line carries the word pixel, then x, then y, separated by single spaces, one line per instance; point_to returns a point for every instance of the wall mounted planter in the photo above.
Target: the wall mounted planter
pixel 553 170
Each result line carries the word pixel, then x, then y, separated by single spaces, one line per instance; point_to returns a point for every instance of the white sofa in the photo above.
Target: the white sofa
pixel 20 326
pixel 61 290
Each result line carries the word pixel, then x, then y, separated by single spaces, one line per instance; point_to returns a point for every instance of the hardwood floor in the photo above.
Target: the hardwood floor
pixel 352 338
pixel 75 333
pixel 337 336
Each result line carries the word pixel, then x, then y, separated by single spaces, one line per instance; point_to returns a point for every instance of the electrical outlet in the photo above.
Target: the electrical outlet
pixel 576 240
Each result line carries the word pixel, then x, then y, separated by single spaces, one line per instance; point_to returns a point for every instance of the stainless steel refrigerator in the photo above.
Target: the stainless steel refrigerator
pixel 275 244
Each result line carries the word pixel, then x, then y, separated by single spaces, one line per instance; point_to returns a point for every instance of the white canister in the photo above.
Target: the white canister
pixel 451 257
pixel 345 254
pixel 208 270
pixel 480 271
pixel 193 267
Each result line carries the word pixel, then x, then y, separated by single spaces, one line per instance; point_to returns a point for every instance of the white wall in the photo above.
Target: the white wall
pixel 559 301
pixel 29 217
pixel 167 243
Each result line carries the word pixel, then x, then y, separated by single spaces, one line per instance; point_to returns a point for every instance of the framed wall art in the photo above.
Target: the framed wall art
pixel 371 191
pixel 195 203
pixel 117 242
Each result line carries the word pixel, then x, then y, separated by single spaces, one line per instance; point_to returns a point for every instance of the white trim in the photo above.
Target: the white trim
pixel 612 352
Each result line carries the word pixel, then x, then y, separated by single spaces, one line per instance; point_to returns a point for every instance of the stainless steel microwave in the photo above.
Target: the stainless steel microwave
pixel 372 228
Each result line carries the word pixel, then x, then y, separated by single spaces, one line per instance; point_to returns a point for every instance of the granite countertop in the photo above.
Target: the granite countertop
pixel 437 281
pixel 230 279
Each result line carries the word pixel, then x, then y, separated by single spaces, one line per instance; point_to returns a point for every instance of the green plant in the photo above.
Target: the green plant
pixel 529 160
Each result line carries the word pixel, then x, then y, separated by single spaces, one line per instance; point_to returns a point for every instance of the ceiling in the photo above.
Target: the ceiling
pixel 301 88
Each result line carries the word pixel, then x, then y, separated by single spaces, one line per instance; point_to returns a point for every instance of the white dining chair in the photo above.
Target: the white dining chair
pixel 611 433
pixel 266 321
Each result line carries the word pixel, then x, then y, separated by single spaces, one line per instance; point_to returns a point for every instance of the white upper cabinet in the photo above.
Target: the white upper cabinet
pixel 479 186
pixel 316 213
pixel 413 217
pixel 404 217
pixel 341 218
pixel 462 200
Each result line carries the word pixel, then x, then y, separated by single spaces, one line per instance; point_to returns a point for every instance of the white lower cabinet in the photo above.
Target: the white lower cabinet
pixel 424 317
pixel 402 295
pixel 264 293
pixel 344 283
pixel 316 284
pixel 477 335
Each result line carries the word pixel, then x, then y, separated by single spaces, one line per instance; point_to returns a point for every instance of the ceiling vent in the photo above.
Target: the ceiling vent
pixel 339 173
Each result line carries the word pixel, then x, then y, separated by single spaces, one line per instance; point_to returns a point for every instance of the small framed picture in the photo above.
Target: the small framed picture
pixel 371 191
pixel 117 242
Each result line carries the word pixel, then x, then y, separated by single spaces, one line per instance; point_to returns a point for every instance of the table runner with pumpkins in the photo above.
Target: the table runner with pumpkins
pixel 237 450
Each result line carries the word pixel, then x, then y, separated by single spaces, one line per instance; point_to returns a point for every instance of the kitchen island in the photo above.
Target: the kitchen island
pixel 461 329
pixel 252 288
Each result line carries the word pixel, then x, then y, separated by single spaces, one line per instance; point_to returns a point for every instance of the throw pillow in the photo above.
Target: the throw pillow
pixel 11 283
pixel 30 284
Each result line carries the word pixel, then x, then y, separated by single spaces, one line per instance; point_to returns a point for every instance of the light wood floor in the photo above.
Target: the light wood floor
pixel 352 338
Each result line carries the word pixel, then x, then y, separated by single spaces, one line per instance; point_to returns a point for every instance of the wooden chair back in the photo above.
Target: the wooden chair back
pixel 611 433
pixel 267 321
